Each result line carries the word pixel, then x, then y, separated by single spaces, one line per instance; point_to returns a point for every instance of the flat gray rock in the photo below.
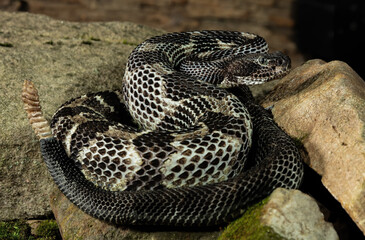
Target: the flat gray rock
pixel 65 60
pixel 285 214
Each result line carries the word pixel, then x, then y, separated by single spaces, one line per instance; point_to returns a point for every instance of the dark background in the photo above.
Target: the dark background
pixel 331 30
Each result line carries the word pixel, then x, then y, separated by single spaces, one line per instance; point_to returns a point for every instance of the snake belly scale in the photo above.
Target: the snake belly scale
pixel 199 149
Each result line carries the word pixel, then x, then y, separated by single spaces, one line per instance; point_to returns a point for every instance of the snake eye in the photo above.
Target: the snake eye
pixel 262 60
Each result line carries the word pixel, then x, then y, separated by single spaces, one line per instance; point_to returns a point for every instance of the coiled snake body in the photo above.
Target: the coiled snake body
pixel 183 161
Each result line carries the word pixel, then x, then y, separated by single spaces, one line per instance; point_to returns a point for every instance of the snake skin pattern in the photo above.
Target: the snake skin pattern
pixel 199 150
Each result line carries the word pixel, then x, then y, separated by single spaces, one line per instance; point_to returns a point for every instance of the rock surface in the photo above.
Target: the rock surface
pixel 64 60
pixel 295 215
pixel 286 214
pixel 274 20
pixel 75 224
pixel 323 105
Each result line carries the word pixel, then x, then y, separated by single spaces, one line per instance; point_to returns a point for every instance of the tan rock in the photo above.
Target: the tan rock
pixel 323 105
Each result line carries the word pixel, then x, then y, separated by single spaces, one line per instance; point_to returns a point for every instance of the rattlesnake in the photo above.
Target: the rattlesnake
pixel 182 161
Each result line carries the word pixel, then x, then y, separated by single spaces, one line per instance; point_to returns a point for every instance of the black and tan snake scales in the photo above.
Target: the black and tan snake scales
pixel 199 149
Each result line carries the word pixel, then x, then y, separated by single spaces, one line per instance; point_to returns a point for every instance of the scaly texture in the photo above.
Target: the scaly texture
pixel 184 164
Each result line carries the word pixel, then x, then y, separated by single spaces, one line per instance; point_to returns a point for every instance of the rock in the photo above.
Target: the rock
pixel 47 229
pixel 75 224
pixel 271 19
pixel 323 105
pixel 64 60
pixel 285 214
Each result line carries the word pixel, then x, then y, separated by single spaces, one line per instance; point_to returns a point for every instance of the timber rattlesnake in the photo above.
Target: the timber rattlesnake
pixel 183 160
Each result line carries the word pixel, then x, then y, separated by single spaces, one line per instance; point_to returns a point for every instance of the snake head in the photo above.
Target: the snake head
pixel 256 68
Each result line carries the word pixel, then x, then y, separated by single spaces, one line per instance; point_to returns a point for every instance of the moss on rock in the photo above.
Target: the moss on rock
pixel 14 230
pixel 249 226
pixel 48 229
pixel 20 229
